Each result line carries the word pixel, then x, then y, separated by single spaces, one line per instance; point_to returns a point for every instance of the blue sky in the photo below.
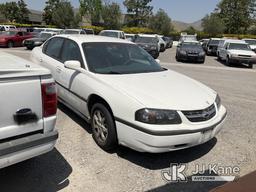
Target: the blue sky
pixel 181 10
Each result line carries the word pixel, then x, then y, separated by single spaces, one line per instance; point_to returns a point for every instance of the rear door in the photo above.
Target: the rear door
pixel 51 60
pixel 21 105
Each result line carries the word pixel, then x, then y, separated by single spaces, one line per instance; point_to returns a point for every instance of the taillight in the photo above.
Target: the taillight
pixel 49 97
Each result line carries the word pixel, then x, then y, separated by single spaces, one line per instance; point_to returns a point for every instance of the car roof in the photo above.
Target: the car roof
pixel 235 41
pixel 111 31
pixel 92 38
pixel 215 39
pixel 190 41
pixel 73 29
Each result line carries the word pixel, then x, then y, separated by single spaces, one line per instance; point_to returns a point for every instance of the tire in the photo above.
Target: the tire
pixel 103 127
pixel 10 44
pixel 177 58
pixel 251 66
pixel 227 61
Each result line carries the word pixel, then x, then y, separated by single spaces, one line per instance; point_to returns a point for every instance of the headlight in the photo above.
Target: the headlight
pixel 218 101
pixel 153 47
pixel 201 53
pixel 37 42
pixel 183 52
pixel 157 116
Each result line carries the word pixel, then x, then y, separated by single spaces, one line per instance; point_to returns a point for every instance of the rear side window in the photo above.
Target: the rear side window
pixel 53 47
pixel 71 51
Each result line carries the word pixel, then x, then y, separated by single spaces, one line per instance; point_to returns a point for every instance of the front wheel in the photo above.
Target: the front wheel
pixel 227 61
pixel 103 127
pixel 10 44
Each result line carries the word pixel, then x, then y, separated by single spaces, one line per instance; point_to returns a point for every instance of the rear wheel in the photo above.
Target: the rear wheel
pixel 103 127
pixel 177 58
pixel 251 66
pixel 10 44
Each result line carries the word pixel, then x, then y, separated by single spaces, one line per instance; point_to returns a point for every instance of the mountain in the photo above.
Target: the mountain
pixel 181 26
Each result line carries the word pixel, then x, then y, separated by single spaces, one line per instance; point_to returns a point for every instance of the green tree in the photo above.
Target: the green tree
pixel 191 30
pixel 23 12
pixel 91 8
pixel 139 12
pixel 50 8
pixel 213 24
pixel 111 14
pixel 237 15
pixel 64 16
pixel 9 11
pixel 161 23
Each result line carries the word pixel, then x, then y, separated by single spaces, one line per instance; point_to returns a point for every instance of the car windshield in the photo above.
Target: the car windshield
pixel 146 40
pixel 38 30
pixel 71 32
pixel 9 33
pixel 109 34
pixel 239 46
pixel 251 42
pixel 214 42
pixel 191 46
pixel 118 58
pixel 45 35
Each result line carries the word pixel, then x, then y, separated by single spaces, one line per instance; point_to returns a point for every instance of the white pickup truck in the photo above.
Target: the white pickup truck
pixel 28 105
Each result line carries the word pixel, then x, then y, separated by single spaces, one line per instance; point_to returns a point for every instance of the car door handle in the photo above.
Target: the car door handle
pixel 58 70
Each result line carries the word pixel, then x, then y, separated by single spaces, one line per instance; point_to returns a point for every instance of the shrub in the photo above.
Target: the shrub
pixel 137 30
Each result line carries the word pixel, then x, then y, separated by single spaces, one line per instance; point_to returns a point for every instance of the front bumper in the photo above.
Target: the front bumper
pixel 241 60
pixel 195 58
pixel 18 150
pixel 154 141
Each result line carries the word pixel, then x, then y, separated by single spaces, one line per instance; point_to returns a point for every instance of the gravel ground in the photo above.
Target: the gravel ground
pixel 78 164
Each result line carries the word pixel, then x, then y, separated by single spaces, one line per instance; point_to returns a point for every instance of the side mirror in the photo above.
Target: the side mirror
pixel 73 64
pixel 158 61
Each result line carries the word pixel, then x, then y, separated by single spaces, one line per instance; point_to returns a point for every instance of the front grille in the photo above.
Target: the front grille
pixel 201 115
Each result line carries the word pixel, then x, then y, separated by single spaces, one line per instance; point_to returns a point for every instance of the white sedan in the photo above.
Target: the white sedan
pixel 128 98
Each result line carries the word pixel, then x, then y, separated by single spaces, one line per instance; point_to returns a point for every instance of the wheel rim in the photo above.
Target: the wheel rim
pixel 100 126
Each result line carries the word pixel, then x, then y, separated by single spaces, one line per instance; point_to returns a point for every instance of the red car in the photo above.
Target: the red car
pixel 13 38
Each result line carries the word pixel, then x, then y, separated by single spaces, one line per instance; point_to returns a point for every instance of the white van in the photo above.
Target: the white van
pixel 7 27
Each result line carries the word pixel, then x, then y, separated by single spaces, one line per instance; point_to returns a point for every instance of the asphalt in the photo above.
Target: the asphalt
pixel 78 164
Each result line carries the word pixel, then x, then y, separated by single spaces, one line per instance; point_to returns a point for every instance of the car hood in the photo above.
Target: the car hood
pixel 241 52
pixel 163 90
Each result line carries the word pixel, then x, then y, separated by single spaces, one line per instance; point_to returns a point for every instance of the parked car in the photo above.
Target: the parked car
pixel 204 43
pixel 130 37
pixel 13 38
pixel 251 43
pixel 238 51
pixel 150 44
pixel 7 27
pixel 168 41
pixel 28 110
pixel 212 46
pixel 38 40
pixel 89 31
pixel 128 98
pixel 186 37
pixel 163 44
pixel 113 33
pixel 73 31
pixel 190 51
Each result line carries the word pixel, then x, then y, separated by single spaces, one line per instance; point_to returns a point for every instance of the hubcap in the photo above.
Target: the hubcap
pixel 100 126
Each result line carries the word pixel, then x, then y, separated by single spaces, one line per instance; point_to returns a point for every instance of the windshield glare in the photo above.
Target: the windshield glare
pixel 214 42
pixel 239 46
pixel 45 35
pixel 251 42
pixel 118 58
pixel 191 46
pixel 146 40
pixel 109 34
pixel 9 33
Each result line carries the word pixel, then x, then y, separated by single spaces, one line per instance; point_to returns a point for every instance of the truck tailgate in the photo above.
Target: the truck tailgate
pixel 20 96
